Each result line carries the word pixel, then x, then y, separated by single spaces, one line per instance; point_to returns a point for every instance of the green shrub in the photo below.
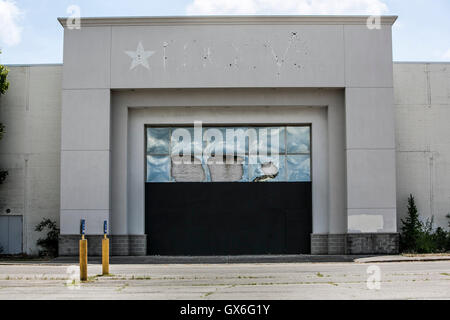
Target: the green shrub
pixel 410 232
pixel 442 240
pixel 50 243
pixel 426 242
pixel 419 237
pixel 447 247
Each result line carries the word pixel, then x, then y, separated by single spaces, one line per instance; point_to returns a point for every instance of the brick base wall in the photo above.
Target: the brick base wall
pixel 355 243
pixel 119 245
pixel 336 244
pixel 373 243
pixel 319 244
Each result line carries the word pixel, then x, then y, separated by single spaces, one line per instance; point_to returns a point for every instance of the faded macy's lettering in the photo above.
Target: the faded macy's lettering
pixel 228 310
pixel 232 54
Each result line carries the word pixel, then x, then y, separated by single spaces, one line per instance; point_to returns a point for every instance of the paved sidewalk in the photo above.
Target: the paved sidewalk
pixel 254 281
pixel 402 258
pixel 260 259
pixel 237 259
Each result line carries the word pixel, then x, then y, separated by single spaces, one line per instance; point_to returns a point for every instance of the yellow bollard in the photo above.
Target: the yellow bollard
pixel 83 259
pixel 105 255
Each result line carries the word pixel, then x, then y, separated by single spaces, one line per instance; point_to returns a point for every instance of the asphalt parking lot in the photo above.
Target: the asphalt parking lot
pixel 397 280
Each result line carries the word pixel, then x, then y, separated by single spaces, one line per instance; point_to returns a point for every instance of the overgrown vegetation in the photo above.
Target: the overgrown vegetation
pixel 50 242
pixel 421 237
pixel 4 85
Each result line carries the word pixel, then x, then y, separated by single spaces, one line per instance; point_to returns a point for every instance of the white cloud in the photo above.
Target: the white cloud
pixel 10 30
pixel 294 7
pixel 446 55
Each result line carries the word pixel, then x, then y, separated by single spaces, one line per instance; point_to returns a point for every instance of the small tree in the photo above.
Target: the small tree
pixel 411 229
pixel 50 243
pixel 447 247
pixel 4 85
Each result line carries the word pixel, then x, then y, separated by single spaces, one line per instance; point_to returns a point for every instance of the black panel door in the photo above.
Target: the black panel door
pixel 228 218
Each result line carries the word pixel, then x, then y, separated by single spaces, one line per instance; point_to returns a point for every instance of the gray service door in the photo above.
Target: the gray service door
pixel 11 234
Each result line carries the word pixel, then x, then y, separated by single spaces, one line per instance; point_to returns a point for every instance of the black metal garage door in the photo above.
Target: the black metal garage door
pixel 228 218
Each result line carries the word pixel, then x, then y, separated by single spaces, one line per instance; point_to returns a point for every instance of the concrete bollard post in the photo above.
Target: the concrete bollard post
pixel 105 256
pixel 83 253
pixel 105 250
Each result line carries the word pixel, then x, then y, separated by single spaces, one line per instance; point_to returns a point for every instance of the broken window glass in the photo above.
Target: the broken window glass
pixel 267 169
pixel 229 154
pixel 223 169
pixel 187 169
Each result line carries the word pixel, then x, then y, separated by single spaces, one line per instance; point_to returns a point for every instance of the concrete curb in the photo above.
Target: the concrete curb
pixel 263 259
pixel 216 259
pixel 387 259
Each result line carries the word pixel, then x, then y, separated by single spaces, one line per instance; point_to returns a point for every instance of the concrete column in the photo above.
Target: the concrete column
pixel 85 156
pixel 370 132
pixel 85 130
pixel 371 185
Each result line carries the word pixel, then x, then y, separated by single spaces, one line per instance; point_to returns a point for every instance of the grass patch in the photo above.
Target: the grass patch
pixel 208 294
pixel 333 283
pixel 122 287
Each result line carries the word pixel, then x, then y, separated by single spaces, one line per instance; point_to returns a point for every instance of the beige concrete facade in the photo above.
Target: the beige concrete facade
pixel 35 147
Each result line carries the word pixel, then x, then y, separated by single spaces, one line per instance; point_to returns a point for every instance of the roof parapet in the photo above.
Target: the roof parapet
pixel 229 20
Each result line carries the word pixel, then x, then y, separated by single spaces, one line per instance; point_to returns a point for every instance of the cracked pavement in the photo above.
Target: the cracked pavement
pixel 402 280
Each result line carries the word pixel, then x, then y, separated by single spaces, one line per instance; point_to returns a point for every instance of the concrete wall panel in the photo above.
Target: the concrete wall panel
pixel 411 84
pixel 368 56
pixel 370 118
pixel 412 127
pixel 229 56
pixel 372 220
pixel 371 179
pixel 85 180
pixel 86 120
pixel 70 221
pixel 31 111
pixel 439 77
pixel 87 58
pixel 423 143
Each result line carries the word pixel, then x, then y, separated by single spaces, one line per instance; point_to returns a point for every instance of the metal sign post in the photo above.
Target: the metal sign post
pixel 83 252
pixel 105 249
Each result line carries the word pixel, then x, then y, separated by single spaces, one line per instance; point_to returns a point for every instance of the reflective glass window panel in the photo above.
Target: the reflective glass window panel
pixel 183 142
pixel 158 168
pixel 214 142
pixel 158 140
pixel 271 140
pixel 237 139
pixel 298 168
pixel 298 139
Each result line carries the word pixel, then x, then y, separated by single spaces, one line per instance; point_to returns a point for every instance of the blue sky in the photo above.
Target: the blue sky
pixel 30 33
